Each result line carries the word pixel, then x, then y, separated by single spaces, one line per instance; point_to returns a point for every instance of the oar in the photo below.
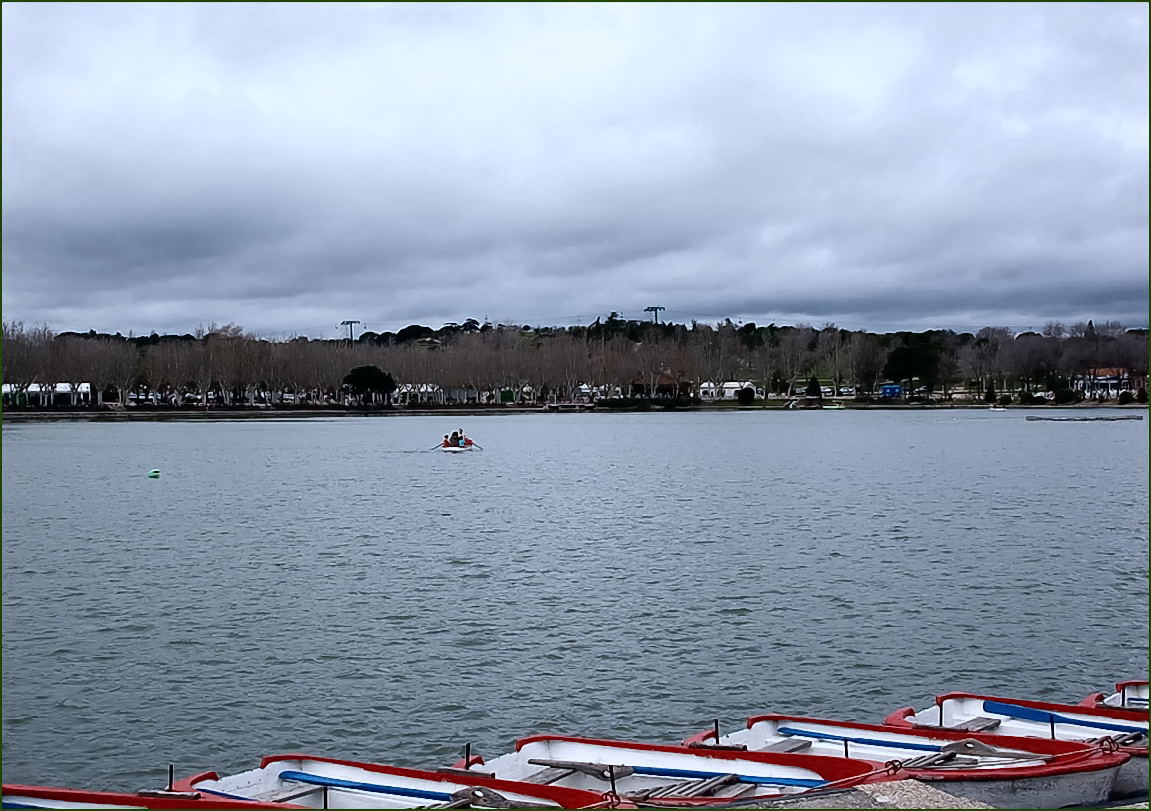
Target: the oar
pixel 743 778
pixel 478 445
pixel 602 771
pixel 827 736
pixel 335 782
pixel 1045 717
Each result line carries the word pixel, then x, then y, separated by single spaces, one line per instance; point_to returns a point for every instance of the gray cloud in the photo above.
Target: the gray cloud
pixel 287 166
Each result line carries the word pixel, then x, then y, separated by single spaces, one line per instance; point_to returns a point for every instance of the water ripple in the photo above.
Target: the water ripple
pixel 321 585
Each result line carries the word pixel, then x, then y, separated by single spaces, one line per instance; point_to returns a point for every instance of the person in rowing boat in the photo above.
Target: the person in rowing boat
pixel 455 439
pixel 447 442
pixel 464 440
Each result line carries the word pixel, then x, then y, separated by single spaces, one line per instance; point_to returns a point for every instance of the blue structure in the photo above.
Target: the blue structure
pixel 891 390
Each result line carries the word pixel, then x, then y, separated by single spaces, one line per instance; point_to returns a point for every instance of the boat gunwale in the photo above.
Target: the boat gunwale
pixel 562 796
pixel 899 718
pixel 861 769
pixel 1067 757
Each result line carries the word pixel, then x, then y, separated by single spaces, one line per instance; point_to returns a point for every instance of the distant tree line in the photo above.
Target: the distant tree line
pixel 474 360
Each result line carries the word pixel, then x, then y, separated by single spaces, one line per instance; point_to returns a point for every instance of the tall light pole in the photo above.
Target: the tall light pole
pixel 349 325
pixel 654 312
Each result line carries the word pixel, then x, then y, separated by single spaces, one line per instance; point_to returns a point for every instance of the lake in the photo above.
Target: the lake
pixel 333 586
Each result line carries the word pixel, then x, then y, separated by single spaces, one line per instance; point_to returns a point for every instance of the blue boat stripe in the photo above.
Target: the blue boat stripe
pixel 335 782
pixel 10 804
pixel 1046 717
pixel 827 736
pixel 743 778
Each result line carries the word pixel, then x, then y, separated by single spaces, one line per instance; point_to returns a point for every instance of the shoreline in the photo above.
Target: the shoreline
pixel 113 415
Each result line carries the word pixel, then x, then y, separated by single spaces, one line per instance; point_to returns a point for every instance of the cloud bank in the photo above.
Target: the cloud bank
pixel 290 166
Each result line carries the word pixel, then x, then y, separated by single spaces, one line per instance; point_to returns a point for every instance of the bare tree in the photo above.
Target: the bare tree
pixel 867 357
pixel 795 352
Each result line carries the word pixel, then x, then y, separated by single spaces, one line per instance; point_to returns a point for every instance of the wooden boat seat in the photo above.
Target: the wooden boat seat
pixel 464 772
pixel 545 776
pixel 978 724
pixel 291 790
pixel 559 769
pixel 786 745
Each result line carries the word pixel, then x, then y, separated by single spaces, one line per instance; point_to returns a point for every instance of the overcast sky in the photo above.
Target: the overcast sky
pixel 289 166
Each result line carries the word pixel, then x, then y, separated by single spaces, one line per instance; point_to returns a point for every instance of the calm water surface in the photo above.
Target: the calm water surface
pixel 331 586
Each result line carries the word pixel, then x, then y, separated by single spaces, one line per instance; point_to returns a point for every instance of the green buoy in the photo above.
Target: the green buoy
pixel 154 473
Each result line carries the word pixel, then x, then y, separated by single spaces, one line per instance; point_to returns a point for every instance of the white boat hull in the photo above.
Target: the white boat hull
pixel 1081 789
pixel 1132 779
pixel 644 771
pixel 961 708
pixel 318 782
pixel 456 449
pixel 1128 696
pixel 1002 771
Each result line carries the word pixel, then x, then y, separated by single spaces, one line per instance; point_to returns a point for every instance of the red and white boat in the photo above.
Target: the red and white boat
pixel 640 772
pixel 457 448
pixel 318 782
pixel 1128 695
pixel 1041 719
pixel 19 796
pixel 1001 771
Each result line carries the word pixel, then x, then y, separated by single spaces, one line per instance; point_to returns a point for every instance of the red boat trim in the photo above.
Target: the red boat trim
pixel 564 797
pixel 831 769
pixel 1117 713
pixel 1119 685
pixel 82 796
pixel 1066 757
pixel 1098 699
pixel 901 717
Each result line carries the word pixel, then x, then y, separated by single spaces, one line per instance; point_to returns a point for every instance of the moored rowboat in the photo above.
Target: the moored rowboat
pixel 1128 695
pixel 320 782
pixel 642 772
pixel 992 715
pixel 1002 771
pixel 20 796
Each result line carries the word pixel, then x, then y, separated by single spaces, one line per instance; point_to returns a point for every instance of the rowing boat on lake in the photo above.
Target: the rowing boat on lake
pixel 1041 719
pixel 320 782
pixel 642 772
pixel 1128 695
pixel 20 796
pixel 1002 771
